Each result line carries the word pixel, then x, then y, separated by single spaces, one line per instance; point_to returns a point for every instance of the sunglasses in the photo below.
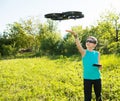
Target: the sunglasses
pixel 91 41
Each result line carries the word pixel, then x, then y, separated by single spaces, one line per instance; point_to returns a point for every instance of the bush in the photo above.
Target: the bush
pixel 114 47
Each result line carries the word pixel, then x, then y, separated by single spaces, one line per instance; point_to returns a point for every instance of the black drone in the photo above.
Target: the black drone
pixel 65 15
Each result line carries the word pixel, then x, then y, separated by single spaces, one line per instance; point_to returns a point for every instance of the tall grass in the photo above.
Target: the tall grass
pixel 45 79
pixel 111 77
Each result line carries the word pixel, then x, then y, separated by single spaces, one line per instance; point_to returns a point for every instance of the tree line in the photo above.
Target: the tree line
pixel 44 38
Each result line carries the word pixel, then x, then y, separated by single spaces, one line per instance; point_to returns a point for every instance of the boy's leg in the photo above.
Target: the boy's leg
pixel 87 90
pixel 97 89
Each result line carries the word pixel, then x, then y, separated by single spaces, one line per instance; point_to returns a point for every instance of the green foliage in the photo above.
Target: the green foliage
pixel 69 46
pixel 45 79
pixel 49 43
pixel 114 47
pixel 45 39
pixel 110 76
pixel 107 25
pixel 8 50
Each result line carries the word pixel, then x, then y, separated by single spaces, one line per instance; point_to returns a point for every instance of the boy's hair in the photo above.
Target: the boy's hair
pixel 93 38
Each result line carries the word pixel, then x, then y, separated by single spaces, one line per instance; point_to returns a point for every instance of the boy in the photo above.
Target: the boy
pixel 91 73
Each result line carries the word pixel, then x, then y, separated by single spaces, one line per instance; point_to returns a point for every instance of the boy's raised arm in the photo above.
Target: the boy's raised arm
pixel 79 46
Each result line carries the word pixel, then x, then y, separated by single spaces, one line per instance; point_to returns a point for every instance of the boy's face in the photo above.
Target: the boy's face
pixel 91 43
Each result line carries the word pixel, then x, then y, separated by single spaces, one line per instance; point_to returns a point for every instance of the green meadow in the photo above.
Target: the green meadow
pixel 54 79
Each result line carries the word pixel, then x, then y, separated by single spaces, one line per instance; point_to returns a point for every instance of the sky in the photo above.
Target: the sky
pixel 14 10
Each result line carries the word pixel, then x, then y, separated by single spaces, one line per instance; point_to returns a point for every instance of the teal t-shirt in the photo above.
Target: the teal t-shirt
pixel 89 71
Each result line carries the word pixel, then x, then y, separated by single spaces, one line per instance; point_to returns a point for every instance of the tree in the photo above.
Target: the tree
pixel 49 43
pixel 49 38
pixel 17 35
pixel 108 25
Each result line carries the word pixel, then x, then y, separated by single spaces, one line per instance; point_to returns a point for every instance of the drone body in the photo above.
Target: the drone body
pixel 65 15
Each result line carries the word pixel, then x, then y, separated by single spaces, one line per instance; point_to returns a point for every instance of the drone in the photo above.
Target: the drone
pixel 65 15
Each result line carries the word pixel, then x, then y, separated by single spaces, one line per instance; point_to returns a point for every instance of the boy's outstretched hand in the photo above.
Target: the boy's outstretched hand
pixel 72 32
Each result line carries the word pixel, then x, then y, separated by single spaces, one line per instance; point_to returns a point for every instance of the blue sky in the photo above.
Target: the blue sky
pixel 14 10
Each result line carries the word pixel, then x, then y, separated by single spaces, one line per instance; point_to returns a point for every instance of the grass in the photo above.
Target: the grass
pixel 50 79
